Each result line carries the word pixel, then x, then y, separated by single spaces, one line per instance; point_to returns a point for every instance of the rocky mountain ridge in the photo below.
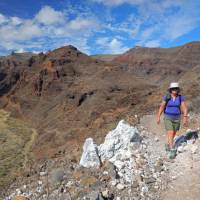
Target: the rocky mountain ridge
pixel 68 96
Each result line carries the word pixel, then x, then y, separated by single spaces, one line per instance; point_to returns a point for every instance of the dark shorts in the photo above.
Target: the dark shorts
pixel 172 124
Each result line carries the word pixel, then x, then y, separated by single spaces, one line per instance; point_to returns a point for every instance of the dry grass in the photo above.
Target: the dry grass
pixel 14 138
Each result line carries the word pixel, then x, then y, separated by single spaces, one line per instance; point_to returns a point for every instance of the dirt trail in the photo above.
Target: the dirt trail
pixel 184 171
pixel 28 146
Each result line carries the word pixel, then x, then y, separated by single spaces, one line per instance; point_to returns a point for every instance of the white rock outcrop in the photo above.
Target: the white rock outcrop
pixel 118 140
pixel 90 157
pixel 118 148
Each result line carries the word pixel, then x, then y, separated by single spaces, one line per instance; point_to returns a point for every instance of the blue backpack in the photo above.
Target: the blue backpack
pixel 188 136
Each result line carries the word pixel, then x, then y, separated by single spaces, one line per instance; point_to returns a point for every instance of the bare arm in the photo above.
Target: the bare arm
pixel 184 108
pixel 161 109
pixel 185 113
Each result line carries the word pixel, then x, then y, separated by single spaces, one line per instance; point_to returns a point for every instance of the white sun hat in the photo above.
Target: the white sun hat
pixel 174 85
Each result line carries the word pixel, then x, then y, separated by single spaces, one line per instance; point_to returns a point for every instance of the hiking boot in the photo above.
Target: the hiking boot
pixel 172 154
pixel 167 147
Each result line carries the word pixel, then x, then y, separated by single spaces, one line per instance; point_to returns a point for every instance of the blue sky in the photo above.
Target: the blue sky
pixel 97 26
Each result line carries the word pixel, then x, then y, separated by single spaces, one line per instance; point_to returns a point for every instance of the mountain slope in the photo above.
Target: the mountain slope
pixel 67 96
pixel 161 64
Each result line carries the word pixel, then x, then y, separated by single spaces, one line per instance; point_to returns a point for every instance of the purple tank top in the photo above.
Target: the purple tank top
pixel 173 107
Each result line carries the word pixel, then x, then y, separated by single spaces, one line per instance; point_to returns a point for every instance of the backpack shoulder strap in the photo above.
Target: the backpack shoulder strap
pixel 179 97
pixel 180 100
pixel 168 97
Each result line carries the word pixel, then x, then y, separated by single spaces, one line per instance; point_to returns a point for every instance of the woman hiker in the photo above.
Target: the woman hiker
pixel 172 105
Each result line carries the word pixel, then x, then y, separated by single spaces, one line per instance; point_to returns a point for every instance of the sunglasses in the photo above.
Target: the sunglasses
pixel 176 89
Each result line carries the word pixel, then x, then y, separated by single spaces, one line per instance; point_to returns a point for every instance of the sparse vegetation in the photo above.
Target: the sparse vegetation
pixel 14 137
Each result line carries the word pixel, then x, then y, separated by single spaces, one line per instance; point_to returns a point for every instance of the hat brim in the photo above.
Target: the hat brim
pixel 173 87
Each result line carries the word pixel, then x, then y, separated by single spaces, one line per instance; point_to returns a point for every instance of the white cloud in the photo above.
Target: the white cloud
pixel 111 45
pixel 119 2
pixel 182 22
pixel 3 19
pixel 80 23
pixel 147 33
pixel 102 41
pixel 121 28
pixel 21 50
pixel 166 20
pixel 48 15
pixel 150 24
pixel 152 43
pixel 47 30
pixel 16 20
pixel 179 27
pixel 116 46
pixel 26 31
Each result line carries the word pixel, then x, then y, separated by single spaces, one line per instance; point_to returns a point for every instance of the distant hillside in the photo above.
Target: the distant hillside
pixel 20 56
pixel 105 57
pixel 161 63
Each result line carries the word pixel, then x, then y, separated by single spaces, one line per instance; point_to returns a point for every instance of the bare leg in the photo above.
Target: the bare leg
pixel 173 138
pixel 167 138
pixel 170 137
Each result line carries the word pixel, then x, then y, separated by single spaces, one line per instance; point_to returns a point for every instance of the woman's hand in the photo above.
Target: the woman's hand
pixel 161 109
pixel 158 120
pixel 185 121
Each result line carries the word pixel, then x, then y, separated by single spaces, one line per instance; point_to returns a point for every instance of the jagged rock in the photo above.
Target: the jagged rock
pixel 113 182
pixel 149 180
pixel 159 165
pixel 94 195
pixel 118 139
pixel 105 178
pixel 105 193
pixel 135 184
pixel 118 148
pixel 120 186
pixel 39 182
pixel 43 173
pixel 57 175
pixel 140 162
pixel 105 173
pixel 69 184
pixel 90 157
pixel 110 168
pixel 119 164
pixel 144 190
pixel 156 139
